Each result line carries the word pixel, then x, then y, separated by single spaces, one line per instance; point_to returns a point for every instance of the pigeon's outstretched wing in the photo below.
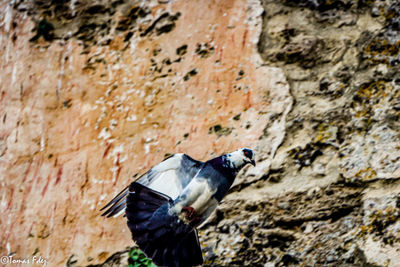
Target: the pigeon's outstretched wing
pixel 169 177
pixel 161 236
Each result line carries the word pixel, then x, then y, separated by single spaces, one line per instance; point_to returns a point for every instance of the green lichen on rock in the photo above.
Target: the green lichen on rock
pixel 138 259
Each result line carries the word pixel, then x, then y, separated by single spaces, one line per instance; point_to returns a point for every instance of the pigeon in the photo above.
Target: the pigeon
pixel 167 204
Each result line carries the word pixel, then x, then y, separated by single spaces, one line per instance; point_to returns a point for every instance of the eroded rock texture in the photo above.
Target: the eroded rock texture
pixel 330 196
pixel 93 93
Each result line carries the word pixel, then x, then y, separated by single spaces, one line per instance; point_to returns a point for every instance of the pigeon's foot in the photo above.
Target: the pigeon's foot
pixel 190 212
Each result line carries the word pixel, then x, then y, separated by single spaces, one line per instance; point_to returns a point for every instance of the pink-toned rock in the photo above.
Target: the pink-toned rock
pixel 76 126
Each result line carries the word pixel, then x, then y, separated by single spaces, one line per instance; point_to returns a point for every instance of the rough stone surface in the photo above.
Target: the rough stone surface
pixel 93 93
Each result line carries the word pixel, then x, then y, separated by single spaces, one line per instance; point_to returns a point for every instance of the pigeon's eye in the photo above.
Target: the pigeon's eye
pixel 248 153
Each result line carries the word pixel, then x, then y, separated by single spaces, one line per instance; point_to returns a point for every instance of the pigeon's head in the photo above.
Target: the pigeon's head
pixel 239 158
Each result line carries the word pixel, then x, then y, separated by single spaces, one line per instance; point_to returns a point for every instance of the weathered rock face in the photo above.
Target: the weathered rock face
pixel 94 93
pixel 331 196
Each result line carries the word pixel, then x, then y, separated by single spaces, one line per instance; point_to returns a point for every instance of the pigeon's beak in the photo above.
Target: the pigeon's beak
pixel 253 162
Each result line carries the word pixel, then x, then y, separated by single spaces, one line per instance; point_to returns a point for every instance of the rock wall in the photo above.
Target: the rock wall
pixel 93 93
pixel 331 196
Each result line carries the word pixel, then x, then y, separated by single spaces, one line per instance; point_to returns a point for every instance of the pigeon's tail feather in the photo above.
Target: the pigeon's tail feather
pixel 162 237
pixel 187 252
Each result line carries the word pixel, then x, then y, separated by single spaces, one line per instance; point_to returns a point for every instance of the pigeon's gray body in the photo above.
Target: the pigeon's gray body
pixel 172 175
pixel 168 202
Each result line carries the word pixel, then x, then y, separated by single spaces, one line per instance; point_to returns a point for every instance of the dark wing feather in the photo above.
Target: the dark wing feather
pixel 114 204
pixel 161 236
pixel 169 177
